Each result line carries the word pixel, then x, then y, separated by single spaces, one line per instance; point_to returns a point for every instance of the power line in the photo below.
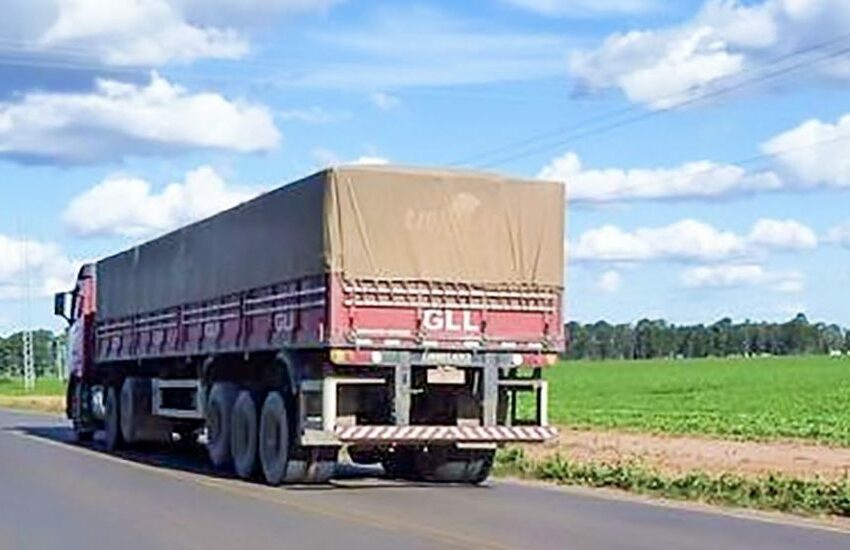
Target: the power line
pixel 653 114
pixel 644 115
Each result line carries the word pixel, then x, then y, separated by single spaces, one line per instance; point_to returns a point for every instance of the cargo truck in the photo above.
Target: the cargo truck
pixel 404 315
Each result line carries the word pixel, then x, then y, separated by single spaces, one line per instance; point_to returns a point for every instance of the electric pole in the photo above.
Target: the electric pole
pixel 26 336
pixel 29 360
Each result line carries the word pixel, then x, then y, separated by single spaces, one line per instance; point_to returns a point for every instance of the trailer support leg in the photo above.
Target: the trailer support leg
pixel 490 388
pixel 402 393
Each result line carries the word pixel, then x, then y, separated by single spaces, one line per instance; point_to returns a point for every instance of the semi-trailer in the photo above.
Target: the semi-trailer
pixel 404 315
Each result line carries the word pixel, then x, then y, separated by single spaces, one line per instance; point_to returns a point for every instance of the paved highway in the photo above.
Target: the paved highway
pixel 54 494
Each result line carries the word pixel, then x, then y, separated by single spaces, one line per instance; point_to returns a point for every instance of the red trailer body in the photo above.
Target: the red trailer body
pixel 329 312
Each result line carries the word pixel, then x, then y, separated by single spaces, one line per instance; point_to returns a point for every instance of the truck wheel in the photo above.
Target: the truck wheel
pixel 83 433
pixel 218 412
pixel 365 455
pixel 400 463
pixel 319 471
pixel 112 428
pixel 274 439
pixel 128 411
pixel 243 435
pixel 446 465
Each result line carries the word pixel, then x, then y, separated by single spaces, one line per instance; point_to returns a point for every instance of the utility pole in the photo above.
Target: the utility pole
pixel 29 360
pixel 60 359
pixel 26 336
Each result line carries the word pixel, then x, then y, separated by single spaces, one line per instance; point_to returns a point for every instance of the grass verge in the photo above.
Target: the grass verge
pixel 773 492
pixel 43 386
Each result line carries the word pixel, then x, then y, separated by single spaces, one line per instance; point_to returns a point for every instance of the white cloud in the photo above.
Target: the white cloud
pixel 585 8
pixel 814 153
pixel 326 158
pixel 663 67
pixel 782 235
pixel 44 264
pixel 137 32
pixel 691 240
pixel 742 275
pixel 384 101
pixel 129 206
pixel 140 32
pixel 683 240
pixel 119 119
pixel 701 179
pixel 611 281
pixel 369 161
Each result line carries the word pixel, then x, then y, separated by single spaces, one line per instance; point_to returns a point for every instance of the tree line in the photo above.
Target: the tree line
pixel 44 345
pixel 648 339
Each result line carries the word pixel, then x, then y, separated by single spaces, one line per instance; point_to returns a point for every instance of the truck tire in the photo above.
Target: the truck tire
pixel 138 423
pixel 83 432
pixel 112 423
pixel 274 439
pixel 128 412
pixel 449 465
pixel 218 413
pixel 400 463
pixel 243 435
pixel 314 465
pixel 365 455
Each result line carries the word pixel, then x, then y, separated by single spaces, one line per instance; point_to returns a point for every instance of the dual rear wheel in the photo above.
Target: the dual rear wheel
pixel 443 464
pixel 253 433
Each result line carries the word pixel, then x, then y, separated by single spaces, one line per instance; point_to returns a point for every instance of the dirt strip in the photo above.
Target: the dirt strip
pixel 679 455
pixel 44 403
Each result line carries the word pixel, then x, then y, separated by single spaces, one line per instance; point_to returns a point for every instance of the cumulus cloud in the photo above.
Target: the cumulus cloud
pixel 663 67
pixel 129 207
pixel 782 235
pixel 119 119
pixel 137 32
pixel 611 281
pixel 690 240
pixel 585 8
pixel 693 180
pixel 815 153
pixel 742 275
pixel 140 32
pixel 44 264
pixel 683 240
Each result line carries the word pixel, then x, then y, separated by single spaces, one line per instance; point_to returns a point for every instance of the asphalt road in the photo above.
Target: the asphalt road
pixel 55 494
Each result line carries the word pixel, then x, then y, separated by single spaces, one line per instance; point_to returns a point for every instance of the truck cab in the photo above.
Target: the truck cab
pixel 78 308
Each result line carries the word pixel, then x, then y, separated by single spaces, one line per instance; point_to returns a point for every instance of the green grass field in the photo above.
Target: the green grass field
pixel 794 397
pixel 43 386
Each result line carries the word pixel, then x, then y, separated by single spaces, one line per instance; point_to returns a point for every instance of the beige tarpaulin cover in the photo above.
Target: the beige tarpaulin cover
pixel 442 225
pixel 363 222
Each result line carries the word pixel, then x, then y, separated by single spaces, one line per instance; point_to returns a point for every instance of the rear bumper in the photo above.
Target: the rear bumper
pixel 459 434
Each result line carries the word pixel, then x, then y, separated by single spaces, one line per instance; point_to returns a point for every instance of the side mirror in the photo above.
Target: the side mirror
pixel 60 305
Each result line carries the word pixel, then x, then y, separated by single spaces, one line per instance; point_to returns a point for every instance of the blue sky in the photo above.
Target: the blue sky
pixel 702 142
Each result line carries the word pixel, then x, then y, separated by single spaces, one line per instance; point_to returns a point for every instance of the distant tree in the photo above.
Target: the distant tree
pixel 649 339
